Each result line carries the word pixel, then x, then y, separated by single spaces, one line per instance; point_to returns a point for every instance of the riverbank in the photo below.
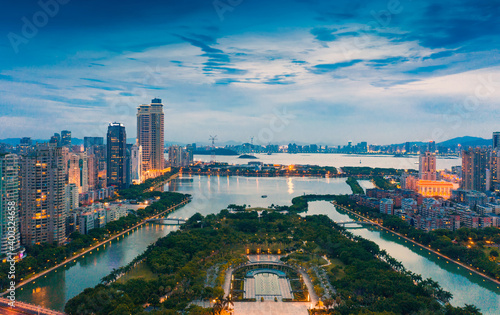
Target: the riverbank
pixel 110 239
pixel 420 245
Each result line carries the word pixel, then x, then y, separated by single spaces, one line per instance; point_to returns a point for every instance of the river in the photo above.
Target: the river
pixel 213 193
pixel 334 159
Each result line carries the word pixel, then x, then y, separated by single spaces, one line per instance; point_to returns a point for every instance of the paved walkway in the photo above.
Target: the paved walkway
pixel 418 244
pixel 310 287
pixel 81 254
pixel 271 308
pixel 227 281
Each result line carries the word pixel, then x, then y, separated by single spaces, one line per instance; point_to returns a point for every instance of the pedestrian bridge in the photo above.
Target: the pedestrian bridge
pixel 167 221
pixel 344 223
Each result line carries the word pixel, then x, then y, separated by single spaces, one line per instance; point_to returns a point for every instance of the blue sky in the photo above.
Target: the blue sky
pixel 307 71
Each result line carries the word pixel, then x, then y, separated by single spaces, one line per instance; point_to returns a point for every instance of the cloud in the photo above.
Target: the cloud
pixel 323 60
pixel 328 67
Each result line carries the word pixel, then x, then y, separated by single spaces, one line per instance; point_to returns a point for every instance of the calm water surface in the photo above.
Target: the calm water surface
pixel 337 160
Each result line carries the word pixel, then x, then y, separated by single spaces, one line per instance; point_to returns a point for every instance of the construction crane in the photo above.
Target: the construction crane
pixel 212 157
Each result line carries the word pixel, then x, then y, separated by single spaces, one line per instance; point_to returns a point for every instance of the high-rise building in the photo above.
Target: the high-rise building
pixel 66 138
pixel 9 204
pixel 150 134
pixel 55 140
pixel 407 147
pixel 427 166
pixel 116 168
pixel 93 171
pixel 496 140
pixel 42 196
pixel 495 169
pixel 128 166
pixel 474 169
pixel 91 141
pixel 178 156
pixel 136 161
pixel 78 171
pixel 431 147
pixel 24 146
pixel 98 178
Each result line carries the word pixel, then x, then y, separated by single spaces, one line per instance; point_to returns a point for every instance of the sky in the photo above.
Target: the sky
pixel 301 71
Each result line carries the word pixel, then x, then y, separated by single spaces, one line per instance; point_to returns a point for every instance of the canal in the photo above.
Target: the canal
pixel 213 193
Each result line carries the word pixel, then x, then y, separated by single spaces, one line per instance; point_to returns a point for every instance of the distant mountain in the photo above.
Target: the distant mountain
pixel 466 141
pixel 10 141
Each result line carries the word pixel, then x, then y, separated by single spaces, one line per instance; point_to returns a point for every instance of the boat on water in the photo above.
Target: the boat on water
pixel 264 196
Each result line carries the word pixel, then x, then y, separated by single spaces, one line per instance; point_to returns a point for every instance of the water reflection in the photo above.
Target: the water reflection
pixel 57 288
pixel 466 288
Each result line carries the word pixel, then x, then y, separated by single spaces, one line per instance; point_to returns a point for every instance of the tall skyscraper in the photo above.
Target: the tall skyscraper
pixel 496 140
pixel 66 138
pixel 179 157
pixel 78 171
pixel 150 134
pixel 427 166
pixel 9 203
pixel 42 196
pixel 475 169
pixel 91 141
pixel 116 155
pixel 96 155
pixel 136 156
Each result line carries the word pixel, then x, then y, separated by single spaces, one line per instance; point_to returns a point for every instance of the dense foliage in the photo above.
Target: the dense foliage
pixel 382 183
pixel 370 171
pixel 143 191
pixel 182 259
pixel 355 187
pixel 44 256
pixel 465 245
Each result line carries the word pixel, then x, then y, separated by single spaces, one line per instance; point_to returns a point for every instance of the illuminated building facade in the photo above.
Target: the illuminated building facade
pixel 150 135
pixel 427 166
pixel 116 155
pixel 432 188
pixel 9 202
pixel 474 169
pixel 42 196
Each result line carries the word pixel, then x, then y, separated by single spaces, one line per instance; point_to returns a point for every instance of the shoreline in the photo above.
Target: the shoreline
pixel 420 245
pixel 38 275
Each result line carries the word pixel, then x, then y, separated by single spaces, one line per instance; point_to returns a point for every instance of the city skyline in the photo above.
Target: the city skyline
pixel 237 70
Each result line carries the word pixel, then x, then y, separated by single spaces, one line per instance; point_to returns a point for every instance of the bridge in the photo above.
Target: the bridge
pixel 24 308
pixel 344 223
pixel 167 221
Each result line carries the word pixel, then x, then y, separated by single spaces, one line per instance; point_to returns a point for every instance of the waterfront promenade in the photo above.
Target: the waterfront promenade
pixel 90 249
pixel 471 269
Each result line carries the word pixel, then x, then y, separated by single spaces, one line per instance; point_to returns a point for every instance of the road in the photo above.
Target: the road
pixel 471 269
pixel 24 308
pixel 33 278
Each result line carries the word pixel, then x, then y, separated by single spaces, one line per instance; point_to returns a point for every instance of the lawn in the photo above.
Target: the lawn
pixel 141 271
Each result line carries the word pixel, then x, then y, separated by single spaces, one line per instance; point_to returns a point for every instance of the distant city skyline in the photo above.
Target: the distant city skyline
pixel 303 71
